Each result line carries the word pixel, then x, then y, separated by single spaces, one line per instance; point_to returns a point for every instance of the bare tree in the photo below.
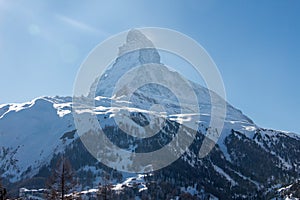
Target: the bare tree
pixel 62 180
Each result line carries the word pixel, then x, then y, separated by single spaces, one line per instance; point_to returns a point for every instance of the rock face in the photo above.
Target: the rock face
pixel 247 161
pixel 137 50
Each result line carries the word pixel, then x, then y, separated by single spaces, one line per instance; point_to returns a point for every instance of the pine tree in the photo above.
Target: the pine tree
pixel 105 191
pixel 2 192
pixel 62 180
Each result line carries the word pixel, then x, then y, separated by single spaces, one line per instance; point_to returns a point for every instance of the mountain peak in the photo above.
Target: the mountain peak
pixel 137 41
pixel 135 36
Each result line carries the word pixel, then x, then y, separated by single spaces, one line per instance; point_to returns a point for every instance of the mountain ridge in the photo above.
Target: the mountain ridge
pixel 247 160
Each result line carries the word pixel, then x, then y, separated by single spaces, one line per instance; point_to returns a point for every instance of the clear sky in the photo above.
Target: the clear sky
pixel 255 44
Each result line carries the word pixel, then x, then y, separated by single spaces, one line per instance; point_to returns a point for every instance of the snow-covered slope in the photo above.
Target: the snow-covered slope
pixel 32 133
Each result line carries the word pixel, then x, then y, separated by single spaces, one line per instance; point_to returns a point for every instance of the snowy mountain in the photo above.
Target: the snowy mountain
pixel 30 133
pixel 247 161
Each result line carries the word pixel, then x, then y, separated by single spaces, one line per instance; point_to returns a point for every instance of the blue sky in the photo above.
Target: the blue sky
pixel 255 45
